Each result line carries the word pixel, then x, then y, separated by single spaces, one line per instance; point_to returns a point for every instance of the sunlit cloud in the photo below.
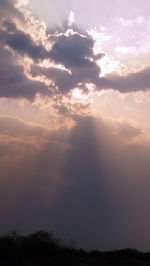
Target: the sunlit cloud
pixel 22 3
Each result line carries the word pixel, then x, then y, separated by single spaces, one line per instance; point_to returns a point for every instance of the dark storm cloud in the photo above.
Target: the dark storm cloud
pixel 62 79
pixel 131 82
pixel 75 52
pixel 17 39
pixel 71 51
pixel 13 82
pixel 22 42
pixel 66 81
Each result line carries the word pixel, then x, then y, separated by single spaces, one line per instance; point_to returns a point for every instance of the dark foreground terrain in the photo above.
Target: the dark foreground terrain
pixel 42 249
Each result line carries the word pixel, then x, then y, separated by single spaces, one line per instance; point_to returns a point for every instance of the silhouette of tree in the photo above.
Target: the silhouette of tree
pixel 43 249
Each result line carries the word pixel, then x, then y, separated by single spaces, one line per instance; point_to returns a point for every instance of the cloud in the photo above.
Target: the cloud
pixel 22 2
pixel 22 43
pixel 62 78
pixel 127 131
pixel 71 48
pixel 13 82
pixel 8 10
pixel 16 127
pixel 131 82
pixel 75 52
pixel 71 51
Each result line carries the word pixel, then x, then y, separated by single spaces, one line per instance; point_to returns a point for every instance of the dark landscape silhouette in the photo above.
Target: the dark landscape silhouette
pixel 42 249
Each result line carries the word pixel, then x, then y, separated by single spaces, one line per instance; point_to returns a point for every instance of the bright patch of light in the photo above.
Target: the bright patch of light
pixel 22 3
pixel 77 93
pixel 126 50
pixel 71 18
pixel 103 28
pixel 108 65
pixel 99 38
pixel 47 64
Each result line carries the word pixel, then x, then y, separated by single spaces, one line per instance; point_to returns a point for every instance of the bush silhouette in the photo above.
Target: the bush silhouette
pixel 43 249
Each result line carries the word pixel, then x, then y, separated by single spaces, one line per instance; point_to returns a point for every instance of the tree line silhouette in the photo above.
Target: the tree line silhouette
pixel 43 249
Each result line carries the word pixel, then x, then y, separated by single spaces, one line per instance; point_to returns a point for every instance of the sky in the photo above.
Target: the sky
pixel 74 120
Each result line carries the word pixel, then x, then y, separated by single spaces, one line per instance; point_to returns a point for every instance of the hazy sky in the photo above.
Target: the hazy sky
pixel 74 120
pixel 89 13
